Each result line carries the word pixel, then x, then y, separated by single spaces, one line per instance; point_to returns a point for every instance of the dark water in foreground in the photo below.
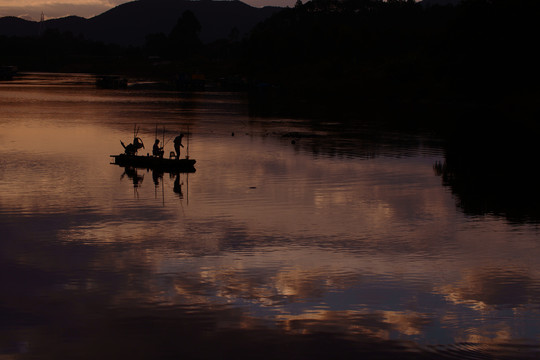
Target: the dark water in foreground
pixel 291 240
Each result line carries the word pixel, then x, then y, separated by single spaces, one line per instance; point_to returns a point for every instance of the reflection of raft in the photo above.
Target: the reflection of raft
pixel 152 162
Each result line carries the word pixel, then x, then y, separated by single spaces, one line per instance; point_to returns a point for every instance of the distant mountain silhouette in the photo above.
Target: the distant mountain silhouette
pixel 14 26
pixel 129 23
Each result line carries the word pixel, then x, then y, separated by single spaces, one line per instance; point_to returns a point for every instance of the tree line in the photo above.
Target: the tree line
pixel 480 51
pixel 339 53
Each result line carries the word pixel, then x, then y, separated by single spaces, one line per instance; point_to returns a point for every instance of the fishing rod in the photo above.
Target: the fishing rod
pixel 187 148
pixel 136 130
pixel 172 137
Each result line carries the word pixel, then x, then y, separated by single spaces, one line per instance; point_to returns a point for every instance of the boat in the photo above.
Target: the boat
pixel 129 157
pixel 111 82
pixel 171 165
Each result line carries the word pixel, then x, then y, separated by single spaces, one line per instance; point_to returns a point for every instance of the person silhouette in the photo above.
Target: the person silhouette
pixel 157 150
pixel 177 144
pixel 132 148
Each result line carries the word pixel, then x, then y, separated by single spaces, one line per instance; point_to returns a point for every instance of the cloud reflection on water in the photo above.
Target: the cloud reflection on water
pixel 270 241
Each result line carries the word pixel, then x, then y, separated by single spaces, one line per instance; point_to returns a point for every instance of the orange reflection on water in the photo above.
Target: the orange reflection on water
pixel 271 231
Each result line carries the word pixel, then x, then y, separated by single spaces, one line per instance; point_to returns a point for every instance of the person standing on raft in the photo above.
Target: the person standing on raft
pixel 178 144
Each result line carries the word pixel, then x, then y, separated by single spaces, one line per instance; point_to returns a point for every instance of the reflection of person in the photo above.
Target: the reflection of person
pixel 178 186
pixel 132 148
pixel 157 150
pixel 178 144
pixel 156 175
pixel 131 173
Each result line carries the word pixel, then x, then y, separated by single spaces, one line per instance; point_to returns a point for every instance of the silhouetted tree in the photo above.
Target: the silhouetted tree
pixel 234 35
pixel 157 44
pixel 479 52
pixel 184 37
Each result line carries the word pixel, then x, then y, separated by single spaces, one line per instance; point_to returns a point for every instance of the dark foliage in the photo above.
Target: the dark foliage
pixel 185 35
pixel 57 51
pixel 183 41
pixel 396 53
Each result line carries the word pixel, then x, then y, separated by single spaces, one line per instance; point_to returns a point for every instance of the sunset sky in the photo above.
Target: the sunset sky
pixel 32 9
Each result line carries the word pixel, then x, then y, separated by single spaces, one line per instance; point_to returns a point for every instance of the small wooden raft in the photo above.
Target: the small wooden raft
pixel 154 162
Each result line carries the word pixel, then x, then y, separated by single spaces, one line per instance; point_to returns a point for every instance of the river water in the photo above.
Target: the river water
pixel 294 238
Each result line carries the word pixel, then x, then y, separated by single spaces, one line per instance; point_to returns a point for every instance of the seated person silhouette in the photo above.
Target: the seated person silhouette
pixel 157 150
pixel 132 148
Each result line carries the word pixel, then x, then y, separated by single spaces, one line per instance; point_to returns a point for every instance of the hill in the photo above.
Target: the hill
pixel 129 23
pixel 14 26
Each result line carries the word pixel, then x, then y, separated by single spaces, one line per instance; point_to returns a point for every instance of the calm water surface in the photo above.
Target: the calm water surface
pixel 293 238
